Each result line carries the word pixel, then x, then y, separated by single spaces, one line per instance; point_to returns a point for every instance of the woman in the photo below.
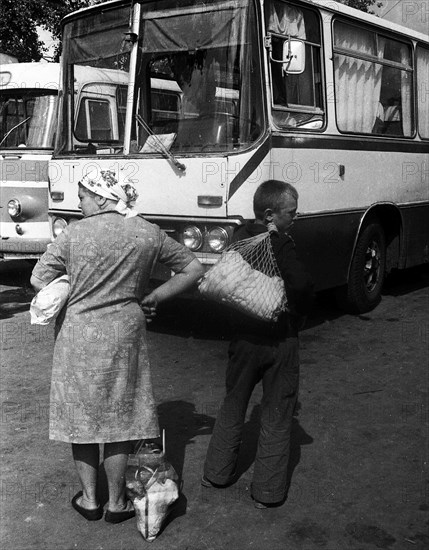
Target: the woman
pixel 101 389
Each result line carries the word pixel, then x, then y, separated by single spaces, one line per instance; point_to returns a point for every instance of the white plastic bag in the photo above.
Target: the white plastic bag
pixel 247 278
pixel 49 301
pixel 152 486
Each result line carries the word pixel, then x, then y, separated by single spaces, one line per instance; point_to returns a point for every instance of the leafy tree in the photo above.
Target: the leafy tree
pixel 363 5
pixel 18 29
pixel 19 21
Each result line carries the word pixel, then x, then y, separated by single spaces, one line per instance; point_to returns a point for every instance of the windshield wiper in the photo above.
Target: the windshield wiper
pixel 14 128
pixel 160 144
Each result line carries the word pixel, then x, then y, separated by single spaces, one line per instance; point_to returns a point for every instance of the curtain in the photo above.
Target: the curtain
pixel 251 107
pixel 98 40
pixel 180 29
pixel 40 125
pixel 357 81
pixel 286 20
pixel 406 91
pixel 422 83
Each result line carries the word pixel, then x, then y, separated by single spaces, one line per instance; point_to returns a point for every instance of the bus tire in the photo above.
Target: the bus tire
pixel 367 271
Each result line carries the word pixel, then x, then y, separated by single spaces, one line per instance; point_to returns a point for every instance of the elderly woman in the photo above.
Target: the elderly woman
pixel 101 389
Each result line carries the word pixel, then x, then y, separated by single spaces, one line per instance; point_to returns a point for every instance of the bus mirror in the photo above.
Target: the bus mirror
pixel 293 56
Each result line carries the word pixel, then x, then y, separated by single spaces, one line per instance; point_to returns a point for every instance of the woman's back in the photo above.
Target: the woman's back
pixel 110 258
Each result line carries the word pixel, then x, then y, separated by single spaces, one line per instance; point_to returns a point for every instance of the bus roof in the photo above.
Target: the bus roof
pixel 327 5
pixel 14 76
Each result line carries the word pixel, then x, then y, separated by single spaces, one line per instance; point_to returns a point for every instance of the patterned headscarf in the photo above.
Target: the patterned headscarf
pixel 105 184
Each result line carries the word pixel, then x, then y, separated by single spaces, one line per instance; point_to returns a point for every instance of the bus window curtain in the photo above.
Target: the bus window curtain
pixel 286 20
pixel 422 82
pixel 99 40
pixel 406 88
pixel 37 129
pixel 251 106
pixel 357 83
pixel 180 29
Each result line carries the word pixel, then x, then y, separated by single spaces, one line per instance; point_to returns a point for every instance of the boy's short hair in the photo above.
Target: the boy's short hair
pixel 268 195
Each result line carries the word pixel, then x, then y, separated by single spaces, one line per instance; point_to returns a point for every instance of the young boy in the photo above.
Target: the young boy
pixel 267 352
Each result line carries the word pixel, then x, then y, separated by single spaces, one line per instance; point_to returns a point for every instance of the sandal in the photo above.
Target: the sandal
pixel 119 517
pixel 91 515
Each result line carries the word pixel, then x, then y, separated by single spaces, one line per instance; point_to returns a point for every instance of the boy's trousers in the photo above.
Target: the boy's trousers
pixel 276 364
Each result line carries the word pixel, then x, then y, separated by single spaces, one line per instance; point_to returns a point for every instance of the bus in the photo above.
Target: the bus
pixel 328 98
pixel 28 119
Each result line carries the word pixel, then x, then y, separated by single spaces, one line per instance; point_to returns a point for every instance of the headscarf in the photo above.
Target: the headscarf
pixel 105 184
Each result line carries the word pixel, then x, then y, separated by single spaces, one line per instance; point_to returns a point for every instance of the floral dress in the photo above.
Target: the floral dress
pixel 101 389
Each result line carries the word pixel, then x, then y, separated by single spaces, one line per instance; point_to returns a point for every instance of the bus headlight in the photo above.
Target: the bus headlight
pixel 217 239
pixel 192 237
pixel 14 208
pixel 58 226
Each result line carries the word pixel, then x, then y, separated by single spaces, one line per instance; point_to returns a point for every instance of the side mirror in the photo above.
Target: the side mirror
pixel 293 56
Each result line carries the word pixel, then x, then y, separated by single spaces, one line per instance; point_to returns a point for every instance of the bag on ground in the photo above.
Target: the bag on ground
pixel 49 301
pixel 152 486
pixel 247 278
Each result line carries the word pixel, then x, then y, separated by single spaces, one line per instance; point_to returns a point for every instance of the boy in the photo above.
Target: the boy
pixel 267 352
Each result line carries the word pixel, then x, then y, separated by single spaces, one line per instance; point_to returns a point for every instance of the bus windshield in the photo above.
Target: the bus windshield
pixel 197 79
pixel 27 119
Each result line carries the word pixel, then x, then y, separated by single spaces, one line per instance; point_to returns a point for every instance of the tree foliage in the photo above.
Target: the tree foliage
pixel 19 21
pixel 363 5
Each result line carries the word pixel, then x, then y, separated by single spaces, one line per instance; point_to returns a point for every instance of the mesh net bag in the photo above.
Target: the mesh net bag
pixel 247 278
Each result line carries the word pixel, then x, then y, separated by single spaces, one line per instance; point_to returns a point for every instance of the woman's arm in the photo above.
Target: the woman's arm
pixel 183 280
pixel 52 263
pixel 36 283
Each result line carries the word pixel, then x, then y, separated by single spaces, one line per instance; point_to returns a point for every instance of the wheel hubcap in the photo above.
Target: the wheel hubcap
pixel 372 266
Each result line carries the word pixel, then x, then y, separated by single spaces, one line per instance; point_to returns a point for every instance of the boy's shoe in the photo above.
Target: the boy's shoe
pixel 259 505
pixel 264 505
pixel 205 482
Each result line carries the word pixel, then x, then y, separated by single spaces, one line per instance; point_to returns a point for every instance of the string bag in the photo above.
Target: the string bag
pixel 247 278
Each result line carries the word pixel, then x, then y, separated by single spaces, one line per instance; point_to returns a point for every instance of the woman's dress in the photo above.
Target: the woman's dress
pixel 101 387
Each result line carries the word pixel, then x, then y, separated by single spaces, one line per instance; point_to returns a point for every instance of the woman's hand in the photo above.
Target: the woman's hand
pixel 149 305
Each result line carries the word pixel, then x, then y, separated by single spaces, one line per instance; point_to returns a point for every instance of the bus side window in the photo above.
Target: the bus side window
pixel 297 99
pixel 372 71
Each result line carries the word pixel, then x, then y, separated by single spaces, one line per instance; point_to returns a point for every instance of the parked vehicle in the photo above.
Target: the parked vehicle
pixel 328 98
pixel 28 118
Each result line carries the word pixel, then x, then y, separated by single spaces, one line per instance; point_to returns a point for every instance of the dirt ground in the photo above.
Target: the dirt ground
pixel 359 464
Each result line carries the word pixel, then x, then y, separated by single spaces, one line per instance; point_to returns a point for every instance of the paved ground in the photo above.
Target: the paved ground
pixel 360 456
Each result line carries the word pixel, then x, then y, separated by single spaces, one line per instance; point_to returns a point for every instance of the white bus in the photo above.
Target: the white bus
pixel 328 98
pixel 28 119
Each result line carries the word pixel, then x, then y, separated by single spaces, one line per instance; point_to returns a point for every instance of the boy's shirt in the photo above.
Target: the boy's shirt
pixel 298 283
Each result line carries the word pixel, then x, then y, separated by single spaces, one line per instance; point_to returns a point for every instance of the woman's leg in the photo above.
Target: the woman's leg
pixel 86 458
pixel 115 464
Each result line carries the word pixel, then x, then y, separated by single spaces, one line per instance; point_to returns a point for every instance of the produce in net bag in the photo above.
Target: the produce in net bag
pixel 49 301
pixel 152 486
pixel 248 279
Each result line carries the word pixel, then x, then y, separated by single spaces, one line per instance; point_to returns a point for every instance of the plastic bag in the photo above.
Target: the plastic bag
pixel 152 486
pixel 49 301
pixel 247 278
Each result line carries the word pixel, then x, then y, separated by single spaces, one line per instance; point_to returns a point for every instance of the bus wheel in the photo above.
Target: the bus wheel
pixel 367 271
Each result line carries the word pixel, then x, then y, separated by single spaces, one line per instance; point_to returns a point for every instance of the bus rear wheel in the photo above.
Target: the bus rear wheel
pixel 367 271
